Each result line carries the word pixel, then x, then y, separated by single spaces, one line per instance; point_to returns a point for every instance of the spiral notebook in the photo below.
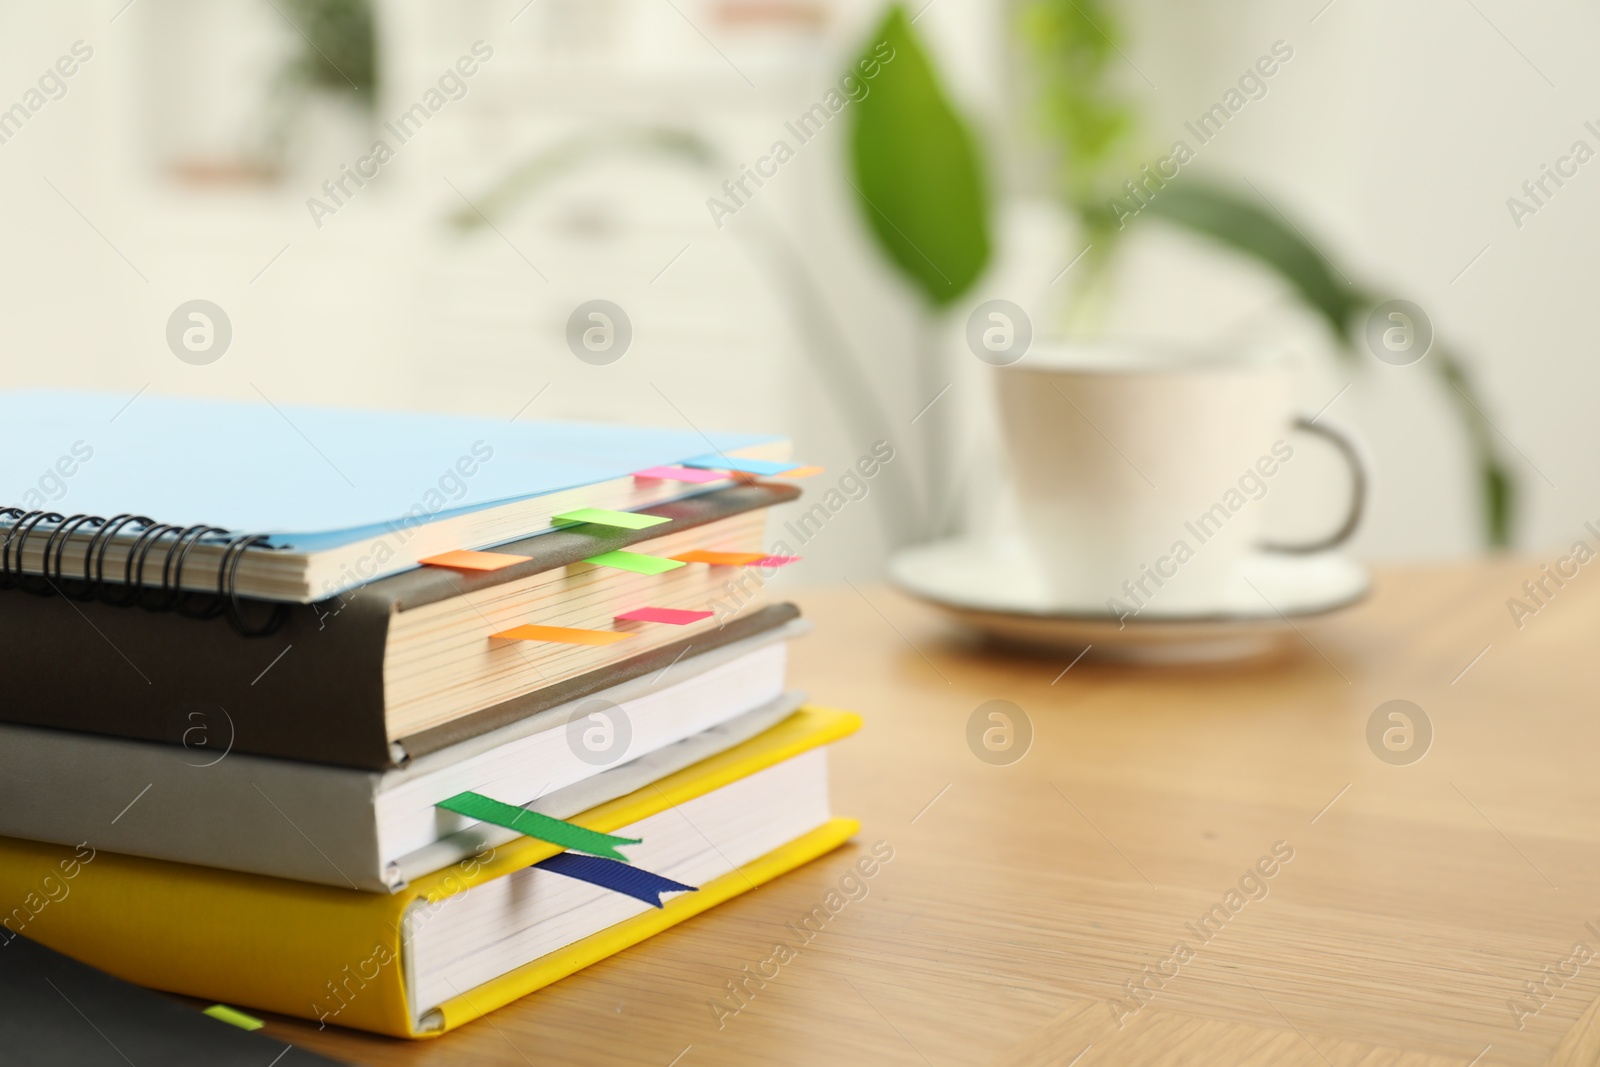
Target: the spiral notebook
pixel 402 666
pixel 297 504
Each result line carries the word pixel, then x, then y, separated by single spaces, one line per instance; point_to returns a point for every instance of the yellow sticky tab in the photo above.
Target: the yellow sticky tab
pixel 233 1017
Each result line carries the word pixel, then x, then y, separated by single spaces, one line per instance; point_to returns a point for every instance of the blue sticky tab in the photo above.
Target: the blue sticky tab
pixel 617 877
pixel 743 466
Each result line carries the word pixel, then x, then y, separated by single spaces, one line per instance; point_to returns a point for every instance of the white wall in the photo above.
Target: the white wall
pixel 1396 135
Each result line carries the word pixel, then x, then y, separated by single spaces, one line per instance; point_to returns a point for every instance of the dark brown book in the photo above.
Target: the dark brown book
pixel 396 668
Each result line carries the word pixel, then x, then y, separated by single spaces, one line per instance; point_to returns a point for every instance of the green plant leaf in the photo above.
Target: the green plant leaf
pixel 340 50
pixel 916 169
pixel 1497 501
pixel 1258 231
pixel 1498 485
pixel 1082 107
pixel 1252 227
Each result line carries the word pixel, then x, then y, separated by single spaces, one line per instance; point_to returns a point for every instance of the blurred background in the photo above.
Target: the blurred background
pixel 201 149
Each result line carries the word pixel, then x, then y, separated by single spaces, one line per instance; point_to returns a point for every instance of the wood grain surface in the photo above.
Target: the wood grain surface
pixel 1432 913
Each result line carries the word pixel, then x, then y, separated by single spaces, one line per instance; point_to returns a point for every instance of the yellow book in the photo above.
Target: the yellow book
pixel 455 944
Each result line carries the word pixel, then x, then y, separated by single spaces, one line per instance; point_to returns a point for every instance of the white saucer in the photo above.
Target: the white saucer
pixel 995 587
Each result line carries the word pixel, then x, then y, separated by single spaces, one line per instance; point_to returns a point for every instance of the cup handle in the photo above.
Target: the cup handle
pixel 1358 493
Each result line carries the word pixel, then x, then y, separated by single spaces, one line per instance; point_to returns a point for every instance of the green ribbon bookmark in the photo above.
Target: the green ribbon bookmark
pixel 532 824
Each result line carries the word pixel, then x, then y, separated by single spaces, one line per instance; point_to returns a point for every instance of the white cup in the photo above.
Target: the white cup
pixel 1141 472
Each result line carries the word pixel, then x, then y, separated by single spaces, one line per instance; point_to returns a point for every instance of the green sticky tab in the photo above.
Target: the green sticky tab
pixel 637 562
pixel 622 520
pixel 233 1017
pixel 532 824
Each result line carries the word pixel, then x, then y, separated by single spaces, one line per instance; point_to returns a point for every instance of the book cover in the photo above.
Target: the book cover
pixel 68 1014
pixel 292 947
pixel 317 823
pixel 305 477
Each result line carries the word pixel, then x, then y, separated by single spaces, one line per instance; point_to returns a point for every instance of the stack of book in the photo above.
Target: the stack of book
pixel 439 711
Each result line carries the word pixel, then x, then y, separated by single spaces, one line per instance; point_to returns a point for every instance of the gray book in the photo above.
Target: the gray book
pixel 374 830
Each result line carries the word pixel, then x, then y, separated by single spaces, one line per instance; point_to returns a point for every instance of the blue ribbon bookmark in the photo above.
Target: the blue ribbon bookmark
pixel 617 877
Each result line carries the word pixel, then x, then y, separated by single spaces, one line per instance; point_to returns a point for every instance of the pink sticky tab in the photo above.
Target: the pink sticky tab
pixel 680 474
pixel 675 616
pixel 776 561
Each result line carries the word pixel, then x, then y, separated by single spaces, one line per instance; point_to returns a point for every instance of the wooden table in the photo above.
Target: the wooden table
pixel 1023 899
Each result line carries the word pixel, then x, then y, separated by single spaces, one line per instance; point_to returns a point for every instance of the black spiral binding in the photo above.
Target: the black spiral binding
pixel 174 544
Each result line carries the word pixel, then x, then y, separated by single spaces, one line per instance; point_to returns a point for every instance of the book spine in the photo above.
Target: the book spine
pixel 91 667
pixel 302 950
pixel 158 564
pixel 179 802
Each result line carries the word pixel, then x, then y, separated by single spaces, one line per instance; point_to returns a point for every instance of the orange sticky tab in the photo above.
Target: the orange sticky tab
pixel 564 635
pixel 720 559
pixel 463 559
pixel 801 472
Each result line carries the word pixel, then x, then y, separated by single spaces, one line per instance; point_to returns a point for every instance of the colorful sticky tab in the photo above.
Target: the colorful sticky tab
pixel 462 559
pixel 776 561
pixel 532 824
pixel 802 472
pixel 720 559
pixel 622 520
pixel 743 466
pixel 675 616
pixel 679 474
pixel 637 562
pixel 617 877
pixel 233 1017
pixel 561 635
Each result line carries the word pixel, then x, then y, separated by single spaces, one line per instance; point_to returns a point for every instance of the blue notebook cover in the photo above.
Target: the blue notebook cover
pixel 311 478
